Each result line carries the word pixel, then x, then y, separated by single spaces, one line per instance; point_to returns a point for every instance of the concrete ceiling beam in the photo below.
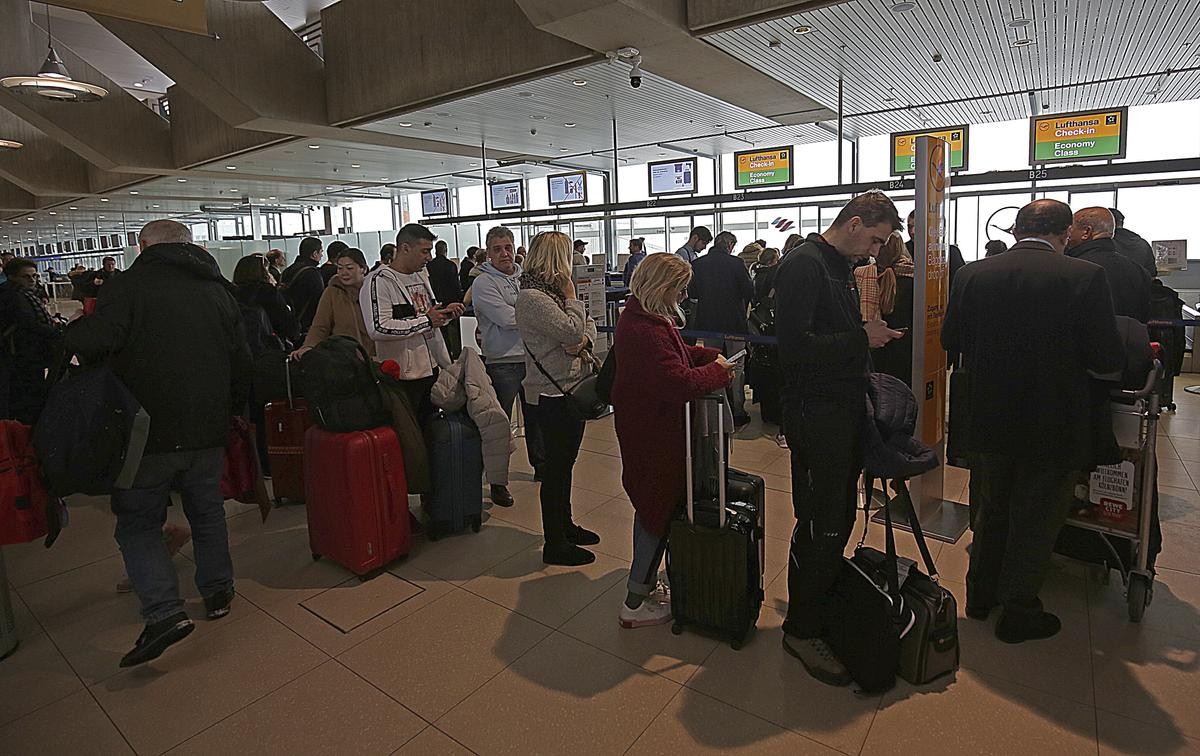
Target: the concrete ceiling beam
pixel 659 29
pixel 117 133
pixel 386 57
pixel 708 16
pixel 14 200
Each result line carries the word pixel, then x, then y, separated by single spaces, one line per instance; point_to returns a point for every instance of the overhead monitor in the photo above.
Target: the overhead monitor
pixel 566 188
pixel 673 176
pixel 757 169
pixel 904 148
pixel 435 202
pixel 1075 137
pixel 508 195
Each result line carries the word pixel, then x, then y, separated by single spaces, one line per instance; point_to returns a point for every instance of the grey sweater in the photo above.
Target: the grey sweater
pixel 545 328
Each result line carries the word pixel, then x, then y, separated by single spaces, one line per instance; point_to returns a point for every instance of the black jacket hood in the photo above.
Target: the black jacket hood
pixel 189 258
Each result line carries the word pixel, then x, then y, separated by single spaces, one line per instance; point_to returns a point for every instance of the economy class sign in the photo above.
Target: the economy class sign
pixel 763 168
pixel 904 148
pixel 1075 137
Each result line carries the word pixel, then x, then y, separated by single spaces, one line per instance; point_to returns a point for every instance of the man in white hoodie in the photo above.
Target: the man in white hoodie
pixel 403 316
pixel 494 295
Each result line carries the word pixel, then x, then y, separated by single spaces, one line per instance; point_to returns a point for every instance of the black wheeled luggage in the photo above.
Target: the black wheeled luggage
pixel 456 461
pixel 715 553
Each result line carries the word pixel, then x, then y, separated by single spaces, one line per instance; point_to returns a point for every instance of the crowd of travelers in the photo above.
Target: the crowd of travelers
pixel 183 340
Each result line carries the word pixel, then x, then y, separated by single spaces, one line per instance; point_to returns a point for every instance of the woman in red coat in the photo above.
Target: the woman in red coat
pixel 657 374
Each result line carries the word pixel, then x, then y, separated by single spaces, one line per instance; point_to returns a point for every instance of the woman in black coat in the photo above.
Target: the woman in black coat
pixel 253 288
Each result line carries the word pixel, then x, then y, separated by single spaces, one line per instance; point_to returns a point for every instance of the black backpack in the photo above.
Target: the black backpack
pixel 260 334
pixel 91 434
pixel 341 388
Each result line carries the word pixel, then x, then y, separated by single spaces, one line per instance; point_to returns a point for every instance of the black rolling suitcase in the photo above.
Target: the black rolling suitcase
pixel 715 553
pixel 456 461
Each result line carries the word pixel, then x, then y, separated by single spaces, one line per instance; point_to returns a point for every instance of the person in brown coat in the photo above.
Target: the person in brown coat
pixel 338 313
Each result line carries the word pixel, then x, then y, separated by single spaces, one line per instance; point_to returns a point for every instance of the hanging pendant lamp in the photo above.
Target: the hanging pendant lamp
pixel 53 81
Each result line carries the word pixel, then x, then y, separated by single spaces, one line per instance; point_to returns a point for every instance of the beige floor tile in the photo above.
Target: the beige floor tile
pixel 779 516
pixel 35 674
pixel 756 456
pixel 1178 506
pixel 433 659
pixel 777 482
pixel 600 445
pixel 327 710
pixel 1181 548
pixel 547 593
pixel 73 725
pixel 1122 735
pixel 463 556
pixel 1187 449
pixel 1173 610
pixel 598 473
pixel 1165 447
pixel 356 602
pixel 613 522
pixel 433 742
pixel 991 716
pixel 1173 473
pixel 88 539
pixel 1149 676
pixel 653 648
pixel 693 723
pixel 561 695
pixel 156 706
pixel 780 465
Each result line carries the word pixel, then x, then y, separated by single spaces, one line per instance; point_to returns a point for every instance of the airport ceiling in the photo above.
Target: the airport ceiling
pixel 1080 54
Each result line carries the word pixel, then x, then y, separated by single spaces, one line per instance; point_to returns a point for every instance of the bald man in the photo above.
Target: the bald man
pixel 171 330
pixel 1092 241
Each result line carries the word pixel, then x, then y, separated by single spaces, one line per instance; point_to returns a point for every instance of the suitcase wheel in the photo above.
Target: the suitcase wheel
pixel 677 628
pixel 316 557
pixel 476 523
pixel 736 644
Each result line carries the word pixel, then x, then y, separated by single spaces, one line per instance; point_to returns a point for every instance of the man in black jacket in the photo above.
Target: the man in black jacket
pixel 332 253
pixel 823 348
pixel 29 339
pixel 1130 245
pixel 443 276
pixel 303 282
pixel 1092 240
pixel 1030 324
pixel 172 332
pixel 721 291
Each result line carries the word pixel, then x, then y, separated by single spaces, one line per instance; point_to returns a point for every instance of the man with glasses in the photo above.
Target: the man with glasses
pixel 28 339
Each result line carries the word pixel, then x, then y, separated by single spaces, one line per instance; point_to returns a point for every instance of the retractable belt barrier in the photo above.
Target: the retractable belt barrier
pixel 749 338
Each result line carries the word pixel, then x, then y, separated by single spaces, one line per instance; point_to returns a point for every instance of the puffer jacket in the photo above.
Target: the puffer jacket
pixel 466 383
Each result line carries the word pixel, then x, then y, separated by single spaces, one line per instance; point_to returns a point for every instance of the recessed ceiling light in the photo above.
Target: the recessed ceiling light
pixel 29 219
pixel 405 124
pixel 355 165
pixel 74 208
pixel 329 187
pixel 133 191
pixel 138 84
pixel 155 206
pixel 580 82
pixel 182 181
pixel 101 217
pixel 569 124
pixel 15 223
pixel 1023 42
pixel 442 114
pixel 524 94
pixel 903 7
pixel 231 167
pixel 59 225
pixel 234 189
pixel 563 149
pixel 473 164
pixel 985 112
pixel 314 146
pixel 538 117
pixel 803 29
pixel 141 220
pixel 270 198
pixel 104 199
pixel 385 178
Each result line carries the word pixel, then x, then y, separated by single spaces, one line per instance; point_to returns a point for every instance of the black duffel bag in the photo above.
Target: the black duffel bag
pixel 341 387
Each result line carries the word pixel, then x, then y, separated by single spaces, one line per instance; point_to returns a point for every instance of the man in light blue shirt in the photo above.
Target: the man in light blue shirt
pixel 700 238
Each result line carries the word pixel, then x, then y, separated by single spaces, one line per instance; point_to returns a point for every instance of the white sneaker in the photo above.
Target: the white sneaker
pixel 651 612
pixel 661 592
pixel 781 441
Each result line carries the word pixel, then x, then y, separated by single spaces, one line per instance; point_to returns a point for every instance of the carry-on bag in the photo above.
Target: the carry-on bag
pixel 715 553
pixel 23 498
pixel 287 422
pixel 242 478
pixel 357 500
pixel 456 459
pixel 341 386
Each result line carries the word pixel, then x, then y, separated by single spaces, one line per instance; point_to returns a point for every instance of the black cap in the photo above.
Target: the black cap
pixel 580 243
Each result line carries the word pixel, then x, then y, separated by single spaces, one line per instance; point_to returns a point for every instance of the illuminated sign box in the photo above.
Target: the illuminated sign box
pixel 1075 137
pixel 507 195
pixel 435 202
pixel 762 168
pixel 566 188
pixel 904 148
pixel 673 177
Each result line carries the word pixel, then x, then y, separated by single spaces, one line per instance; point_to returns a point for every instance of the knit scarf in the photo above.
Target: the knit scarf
pixel 537 283
pixel 887 283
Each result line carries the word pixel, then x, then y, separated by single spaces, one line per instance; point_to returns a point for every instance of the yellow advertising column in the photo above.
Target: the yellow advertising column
pixel 931 292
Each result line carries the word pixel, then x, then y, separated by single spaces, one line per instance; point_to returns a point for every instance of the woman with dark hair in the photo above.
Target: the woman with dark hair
pixel 386 253
pixel 338 312
pixel 995 247
pixel 254 288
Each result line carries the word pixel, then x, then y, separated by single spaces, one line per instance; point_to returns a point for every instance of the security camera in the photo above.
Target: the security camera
pixel 635 73
pixel 533 132
pixel 937 57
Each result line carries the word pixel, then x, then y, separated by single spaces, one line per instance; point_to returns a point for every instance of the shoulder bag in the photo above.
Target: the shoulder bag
pixel 583 395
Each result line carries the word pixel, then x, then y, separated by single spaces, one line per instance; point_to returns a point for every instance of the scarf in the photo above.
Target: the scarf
pixel 537 283
pixel 887 283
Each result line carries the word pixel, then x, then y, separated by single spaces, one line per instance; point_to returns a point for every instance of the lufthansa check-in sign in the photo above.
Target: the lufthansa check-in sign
pixel 1076 137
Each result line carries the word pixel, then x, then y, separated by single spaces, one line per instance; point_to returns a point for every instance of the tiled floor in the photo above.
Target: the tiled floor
pixel 472 645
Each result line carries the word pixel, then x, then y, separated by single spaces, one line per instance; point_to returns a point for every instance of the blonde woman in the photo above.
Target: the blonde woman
pixel 885 291
pixel 657 374
pixel 558 337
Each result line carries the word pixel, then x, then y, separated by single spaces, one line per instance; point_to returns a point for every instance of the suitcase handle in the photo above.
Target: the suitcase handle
pixel 722 466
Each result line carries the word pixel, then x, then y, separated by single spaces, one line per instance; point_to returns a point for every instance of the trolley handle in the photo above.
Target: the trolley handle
pixel 1152 380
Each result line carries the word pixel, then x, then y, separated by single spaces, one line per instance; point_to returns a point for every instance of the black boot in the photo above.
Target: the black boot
pixel 158 637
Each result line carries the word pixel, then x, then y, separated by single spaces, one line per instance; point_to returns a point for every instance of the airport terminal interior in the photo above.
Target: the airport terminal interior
pixel 259 123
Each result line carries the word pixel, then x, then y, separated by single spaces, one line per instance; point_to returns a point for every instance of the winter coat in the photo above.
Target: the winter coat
pixel 303 285
pixel 443 277
pixel 1137 249
pixel 1129 284
pixel 545 329
pixel 173 334
pixel 722 289
pixel 273 303
pixel 339 314
pixel 656 375
pixel 494 296
pixel 466 383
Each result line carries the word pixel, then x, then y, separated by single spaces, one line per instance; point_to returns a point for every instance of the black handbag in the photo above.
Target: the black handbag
pixel 584 395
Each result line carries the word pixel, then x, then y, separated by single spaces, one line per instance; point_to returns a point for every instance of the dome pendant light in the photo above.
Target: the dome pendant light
pixel 53 81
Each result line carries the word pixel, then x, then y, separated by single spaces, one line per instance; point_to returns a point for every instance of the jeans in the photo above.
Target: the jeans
pixel 563 433
pixel 506 380
pixel 141 512
pixel 823 437
pixel 648 550
pixel 1021 506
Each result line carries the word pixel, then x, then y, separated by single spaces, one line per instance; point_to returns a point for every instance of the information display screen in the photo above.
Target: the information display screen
pixel 507 195
pixel 761 168
pixel 566 188
pixel 436 202
pixel 673 177
pixel 1073 137
pixel 904 148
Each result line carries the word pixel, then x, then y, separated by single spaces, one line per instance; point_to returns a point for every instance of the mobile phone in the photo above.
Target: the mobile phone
pixel 903 330
pixel 737 357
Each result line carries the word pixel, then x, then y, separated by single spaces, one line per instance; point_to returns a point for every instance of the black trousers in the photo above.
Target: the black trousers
pixel 417 393
pixel 823 437
pixel 1021 506
pixel 562 433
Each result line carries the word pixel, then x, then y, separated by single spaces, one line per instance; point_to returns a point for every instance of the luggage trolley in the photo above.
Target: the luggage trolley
pixel 1111 524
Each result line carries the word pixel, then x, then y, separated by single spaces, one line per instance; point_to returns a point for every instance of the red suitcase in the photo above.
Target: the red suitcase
pixel 357 498
pixel 286 425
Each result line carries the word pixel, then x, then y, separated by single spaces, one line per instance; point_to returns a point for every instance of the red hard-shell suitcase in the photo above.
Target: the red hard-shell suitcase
pixel 286 425
pixel 357 498
pixel 23 497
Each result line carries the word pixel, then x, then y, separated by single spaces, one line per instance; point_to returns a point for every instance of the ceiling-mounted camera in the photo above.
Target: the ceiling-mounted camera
pixel 635 73
pixel 633 57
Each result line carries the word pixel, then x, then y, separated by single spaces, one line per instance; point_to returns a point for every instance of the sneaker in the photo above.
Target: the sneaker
pixel 567 555
pixel 582 536
pixel 651 612
pixel 158 637
pixel 1038 627
pixel 818 658
pixel 781 441
pixel 501 496
pixel 217 605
